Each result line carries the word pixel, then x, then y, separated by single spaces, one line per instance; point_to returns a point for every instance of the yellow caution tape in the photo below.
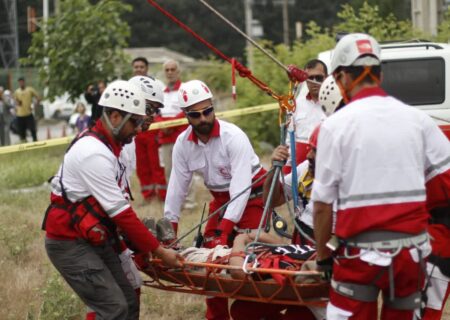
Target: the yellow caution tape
pixel 154 126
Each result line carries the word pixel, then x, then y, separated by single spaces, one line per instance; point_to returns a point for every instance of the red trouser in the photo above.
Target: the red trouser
pixel 301 150
pixel 407 277
pixel 217 308
pixel 249 310
pixel 150 173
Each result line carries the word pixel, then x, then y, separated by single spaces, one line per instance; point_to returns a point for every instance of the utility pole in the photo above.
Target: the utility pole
pixel 286 22
pixel 9 41
pixel 248 30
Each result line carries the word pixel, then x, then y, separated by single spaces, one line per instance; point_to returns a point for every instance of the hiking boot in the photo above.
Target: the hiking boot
pixel 150 224
pixel 165 230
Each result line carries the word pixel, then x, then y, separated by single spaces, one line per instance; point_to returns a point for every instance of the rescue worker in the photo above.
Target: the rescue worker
pixel 438 264
pixel 152 92
pixel 89 203
pixel 330 99
pixel 305 172
pixel 148 168
pixel 172 111
pixel 372 158
pixel 308 113
pixel 220 152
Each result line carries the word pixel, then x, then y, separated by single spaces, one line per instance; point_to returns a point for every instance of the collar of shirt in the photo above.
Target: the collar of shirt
pixel 368 92
pixel 100 129
pixel 214 133
pixel 175 87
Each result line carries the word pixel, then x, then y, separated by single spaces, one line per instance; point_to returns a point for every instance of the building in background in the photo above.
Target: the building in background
pixel 426 15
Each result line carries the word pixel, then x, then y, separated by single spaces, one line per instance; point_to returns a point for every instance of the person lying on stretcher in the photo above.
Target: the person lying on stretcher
pixel 274 255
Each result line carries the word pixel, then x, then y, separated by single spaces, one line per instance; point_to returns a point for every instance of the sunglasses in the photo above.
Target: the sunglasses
pixel 317 78
pixel 197 114
pixel 137 121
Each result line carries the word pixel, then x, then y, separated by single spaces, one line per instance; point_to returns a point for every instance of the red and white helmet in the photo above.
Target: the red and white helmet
pixel 356 49
pixel 151 88
pixel 330 95
pixel 123 96
pixel 193 92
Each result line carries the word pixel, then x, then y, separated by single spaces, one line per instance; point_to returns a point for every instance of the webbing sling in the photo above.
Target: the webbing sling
pixel 385 240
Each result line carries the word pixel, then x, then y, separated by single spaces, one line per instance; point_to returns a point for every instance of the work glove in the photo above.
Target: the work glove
pixel 326 267
pixel 224 232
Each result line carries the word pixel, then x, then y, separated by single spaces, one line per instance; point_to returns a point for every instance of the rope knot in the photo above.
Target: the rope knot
pixel 295 74
pixel 243 71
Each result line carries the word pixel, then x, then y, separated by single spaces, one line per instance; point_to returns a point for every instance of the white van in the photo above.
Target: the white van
pixel 418 73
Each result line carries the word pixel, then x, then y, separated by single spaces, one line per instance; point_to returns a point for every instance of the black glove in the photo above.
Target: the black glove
pixel 325 266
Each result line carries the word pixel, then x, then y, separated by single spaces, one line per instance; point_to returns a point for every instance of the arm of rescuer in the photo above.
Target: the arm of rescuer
pixel 102 185
pixel 437 171
pixel 281 153
pixel 180 179
pixel 325 191
pixel 240 152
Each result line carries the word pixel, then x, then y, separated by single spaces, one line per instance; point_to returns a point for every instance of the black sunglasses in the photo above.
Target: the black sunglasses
pixel 197 114
pixel 317 78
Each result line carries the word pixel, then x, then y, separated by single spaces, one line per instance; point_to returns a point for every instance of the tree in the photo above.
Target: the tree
pixel 369 20
pixel 84 44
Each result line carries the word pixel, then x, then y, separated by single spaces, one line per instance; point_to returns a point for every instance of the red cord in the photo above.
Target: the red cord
pixel 233 78
pixel 243 71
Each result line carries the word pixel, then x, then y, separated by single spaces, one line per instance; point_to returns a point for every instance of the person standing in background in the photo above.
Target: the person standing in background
pixel 148 168
pixel 25 120
pixel 309 112
pixel 92 96
pixel 171 111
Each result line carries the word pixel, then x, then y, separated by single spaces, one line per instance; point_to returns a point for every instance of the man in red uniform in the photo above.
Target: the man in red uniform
pixel 223 155
pixel 372 160
pixel 148 168
pixel 89 202
pixel 438 265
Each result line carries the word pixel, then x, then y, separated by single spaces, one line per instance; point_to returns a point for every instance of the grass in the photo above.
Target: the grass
pixel 31 288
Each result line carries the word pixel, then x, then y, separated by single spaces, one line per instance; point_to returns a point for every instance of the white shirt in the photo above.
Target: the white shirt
pixel 375 152
pixel 128 158
pixel 308 114
pixel 227 163
pixel 171 104
pixel 100 178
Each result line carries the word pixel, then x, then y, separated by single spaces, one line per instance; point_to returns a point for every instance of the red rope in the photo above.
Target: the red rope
pixel 243 71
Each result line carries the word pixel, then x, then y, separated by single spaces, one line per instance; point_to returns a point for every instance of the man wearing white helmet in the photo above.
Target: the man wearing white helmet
pixel 221 153
pixel 89 202
pixel 153 94
pixel 148 168
pixel 378 159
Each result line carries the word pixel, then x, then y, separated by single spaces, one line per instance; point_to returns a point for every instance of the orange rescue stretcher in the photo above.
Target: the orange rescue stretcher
pixel 209 279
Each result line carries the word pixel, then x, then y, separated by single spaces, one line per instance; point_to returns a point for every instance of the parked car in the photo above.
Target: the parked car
pixel 417 74
pixel 62 108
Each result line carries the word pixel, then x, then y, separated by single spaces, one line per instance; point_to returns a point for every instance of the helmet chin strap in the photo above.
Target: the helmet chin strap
pixel 115 130
pixel 367 72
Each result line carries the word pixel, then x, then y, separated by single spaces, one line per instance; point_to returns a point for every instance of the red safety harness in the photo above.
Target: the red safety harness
pixel 88 218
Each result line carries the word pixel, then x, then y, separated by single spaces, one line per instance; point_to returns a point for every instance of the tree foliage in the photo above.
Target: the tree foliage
pixel 369 20
pixel 84 43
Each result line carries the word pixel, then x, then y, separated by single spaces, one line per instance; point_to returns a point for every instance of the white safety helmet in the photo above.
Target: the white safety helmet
pixel 330 95
pixel 152 88
pixel 192 92
pixel 123 95
pixel 356 49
